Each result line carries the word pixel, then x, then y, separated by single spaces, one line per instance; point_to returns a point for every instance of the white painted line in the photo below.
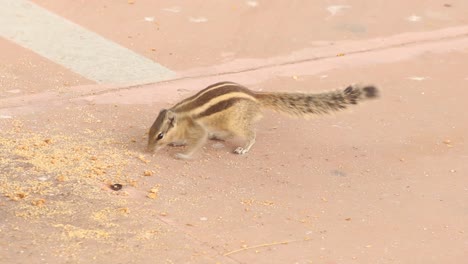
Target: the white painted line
pixel 75 47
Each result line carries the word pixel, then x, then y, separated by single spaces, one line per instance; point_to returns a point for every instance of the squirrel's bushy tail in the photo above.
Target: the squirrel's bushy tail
pixel 304 105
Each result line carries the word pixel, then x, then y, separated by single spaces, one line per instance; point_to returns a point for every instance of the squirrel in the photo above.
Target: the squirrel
pixel 228 109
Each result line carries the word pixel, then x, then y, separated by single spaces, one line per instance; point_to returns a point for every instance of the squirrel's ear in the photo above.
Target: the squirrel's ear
pixel 171 116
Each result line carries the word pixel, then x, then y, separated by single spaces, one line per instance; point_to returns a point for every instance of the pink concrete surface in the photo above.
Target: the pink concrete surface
pixel 385 182
pixel 22 72
pixel 237 30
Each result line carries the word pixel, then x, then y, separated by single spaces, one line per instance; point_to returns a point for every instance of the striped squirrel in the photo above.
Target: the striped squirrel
pixel 228 109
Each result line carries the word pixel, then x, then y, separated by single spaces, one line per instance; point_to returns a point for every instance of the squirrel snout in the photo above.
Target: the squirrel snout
pixel 150 148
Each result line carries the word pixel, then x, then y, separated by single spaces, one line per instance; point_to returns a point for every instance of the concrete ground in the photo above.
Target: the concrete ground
pixel 385 182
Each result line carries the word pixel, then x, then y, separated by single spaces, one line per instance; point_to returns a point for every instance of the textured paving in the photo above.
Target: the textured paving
pixel 382 183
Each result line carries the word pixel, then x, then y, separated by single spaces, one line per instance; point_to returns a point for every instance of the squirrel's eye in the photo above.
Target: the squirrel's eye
pixel 160 136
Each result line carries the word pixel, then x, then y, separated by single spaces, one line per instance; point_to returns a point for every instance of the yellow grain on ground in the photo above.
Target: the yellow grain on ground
pixel 60 182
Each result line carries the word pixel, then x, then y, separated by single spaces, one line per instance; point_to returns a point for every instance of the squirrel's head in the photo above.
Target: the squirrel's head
pixel 160 132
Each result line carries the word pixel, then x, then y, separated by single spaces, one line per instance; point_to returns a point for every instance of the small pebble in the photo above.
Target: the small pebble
pixel 448 142
pixel 116 187
pixel 252 3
